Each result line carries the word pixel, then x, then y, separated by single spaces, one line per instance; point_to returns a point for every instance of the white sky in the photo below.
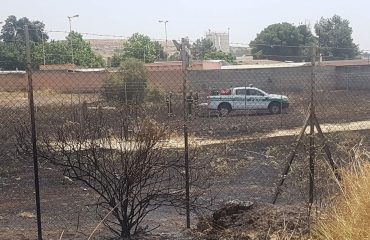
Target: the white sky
pixel 190 18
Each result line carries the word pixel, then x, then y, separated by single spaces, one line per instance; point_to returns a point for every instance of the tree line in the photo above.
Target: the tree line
pixel 284 41
pixel 46 51
pixel 281 41
pixel 13 46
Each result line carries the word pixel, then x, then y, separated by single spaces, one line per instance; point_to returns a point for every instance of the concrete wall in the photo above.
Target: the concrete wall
pixel 69 81
pixel 13 82
pixel 64 81
pixel 167 81
pixel 274 80
pixel 269 79
pixel 353 77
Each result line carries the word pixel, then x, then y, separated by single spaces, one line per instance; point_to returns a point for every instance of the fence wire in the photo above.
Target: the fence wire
pixel 241 124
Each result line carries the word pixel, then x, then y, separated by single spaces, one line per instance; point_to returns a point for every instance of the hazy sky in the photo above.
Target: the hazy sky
pixel 190 18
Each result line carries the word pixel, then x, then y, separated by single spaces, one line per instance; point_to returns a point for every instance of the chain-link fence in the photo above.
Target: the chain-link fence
pixel 236 122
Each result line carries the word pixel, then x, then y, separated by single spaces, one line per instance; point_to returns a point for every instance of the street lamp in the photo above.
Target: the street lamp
pixel 70 31
pixel 165 29
pixel 70 21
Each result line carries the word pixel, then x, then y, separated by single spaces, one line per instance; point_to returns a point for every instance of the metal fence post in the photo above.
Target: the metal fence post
pixel 185 64
pixel 312 132
pixel 33 132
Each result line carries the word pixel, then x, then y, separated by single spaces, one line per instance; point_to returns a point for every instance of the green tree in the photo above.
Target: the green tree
pixel 140 47
pixel 175 57
pixel 159 51
pixel 219 55
pixel 54 52
pixel 283 41
pixel 335 38
pixel 13 47
pixel 13 30
pixel 82 52
pixel 60 52
pixel 12 56
pixel 201 47
pixel 116 60
pixel 129 83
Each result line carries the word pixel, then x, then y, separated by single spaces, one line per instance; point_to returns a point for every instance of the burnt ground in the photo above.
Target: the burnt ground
pixel 67 205
pixel 246 170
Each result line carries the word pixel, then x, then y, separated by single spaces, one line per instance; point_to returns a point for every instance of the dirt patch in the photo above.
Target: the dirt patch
pixel 255 221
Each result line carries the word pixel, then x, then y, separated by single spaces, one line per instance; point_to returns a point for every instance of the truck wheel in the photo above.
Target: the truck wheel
pixel 274 108
pixel 224 109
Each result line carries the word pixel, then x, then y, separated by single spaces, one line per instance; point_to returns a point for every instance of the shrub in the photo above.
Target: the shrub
pixel 128 84
pixel 154 95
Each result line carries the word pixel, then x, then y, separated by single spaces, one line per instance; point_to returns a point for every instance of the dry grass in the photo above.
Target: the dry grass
pixel 349 217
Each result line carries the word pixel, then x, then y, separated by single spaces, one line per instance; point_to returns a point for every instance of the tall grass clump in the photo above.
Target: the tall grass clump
pixel 349 217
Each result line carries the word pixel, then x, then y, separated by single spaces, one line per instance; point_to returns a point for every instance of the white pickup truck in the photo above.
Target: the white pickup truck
pixel 245 98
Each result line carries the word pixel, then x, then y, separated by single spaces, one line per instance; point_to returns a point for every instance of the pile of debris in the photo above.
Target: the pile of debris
pixel 254 221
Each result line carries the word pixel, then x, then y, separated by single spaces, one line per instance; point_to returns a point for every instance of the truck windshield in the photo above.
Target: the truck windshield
pixel 255 92
pixel 241 92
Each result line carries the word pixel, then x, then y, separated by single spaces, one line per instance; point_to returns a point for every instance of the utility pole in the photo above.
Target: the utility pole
pixel 165 30
pixel 70 31
pixel 33 133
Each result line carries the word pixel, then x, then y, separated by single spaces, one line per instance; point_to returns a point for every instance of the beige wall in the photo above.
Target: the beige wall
pixel 63 81
pixel 273 80
pixel 13 82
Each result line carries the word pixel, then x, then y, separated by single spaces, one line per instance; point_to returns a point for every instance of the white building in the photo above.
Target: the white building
pixel 219 40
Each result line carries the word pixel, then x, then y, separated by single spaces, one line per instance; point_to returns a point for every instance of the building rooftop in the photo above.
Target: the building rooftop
pixel 340 63
pixel 272 65
pixel 13 72
pixel 90 70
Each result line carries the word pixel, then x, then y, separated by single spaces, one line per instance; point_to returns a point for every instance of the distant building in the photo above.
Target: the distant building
pixel 219 40
pixel 108 47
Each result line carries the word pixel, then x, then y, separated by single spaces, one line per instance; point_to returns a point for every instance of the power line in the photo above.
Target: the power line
pixel 102 35
pixel 163 40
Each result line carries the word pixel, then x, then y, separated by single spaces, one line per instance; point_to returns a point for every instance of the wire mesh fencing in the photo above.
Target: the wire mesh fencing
pixel 239 124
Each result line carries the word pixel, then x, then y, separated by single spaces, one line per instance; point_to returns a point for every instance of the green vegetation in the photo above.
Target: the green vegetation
pixel 219 55
pixel 284 41
pixel 13 30
pixel 140 47
pixel 201 47
pixel 128 84
pixel 154 95
pixel 277 42
pixel 335 38
pixel 13 49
